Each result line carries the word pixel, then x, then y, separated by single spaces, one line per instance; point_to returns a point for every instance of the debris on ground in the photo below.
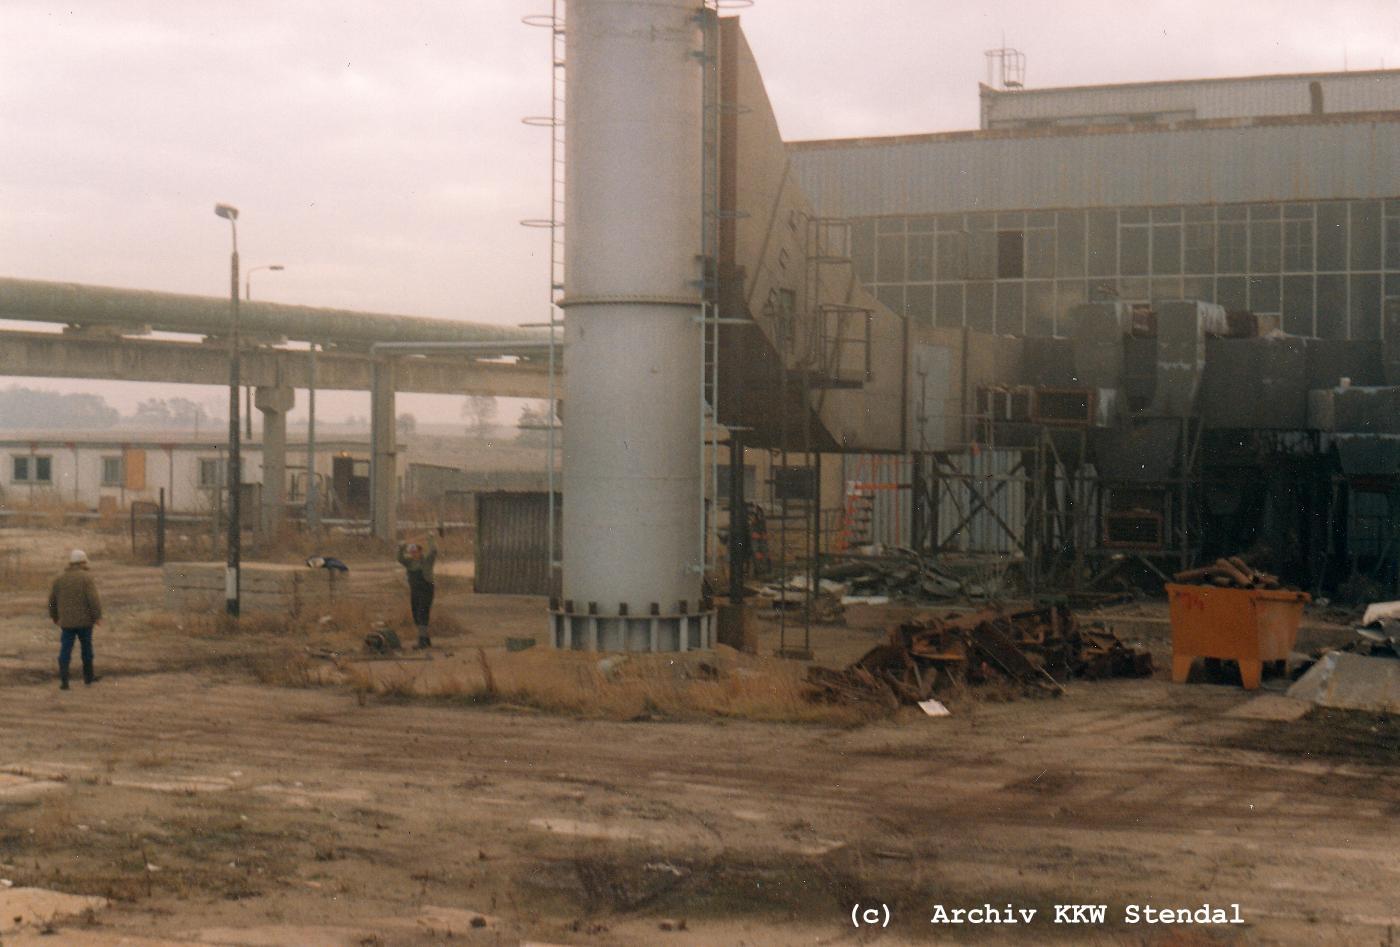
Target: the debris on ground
pixel 382 640
pixel 793 595
pixel 1038 648
pixel 894 573
pixel 1231 572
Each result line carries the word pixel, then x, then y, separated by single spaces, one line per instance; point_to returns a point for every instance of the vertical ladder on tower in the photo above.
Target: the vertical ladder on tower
pixel 554 121
pixel 708 55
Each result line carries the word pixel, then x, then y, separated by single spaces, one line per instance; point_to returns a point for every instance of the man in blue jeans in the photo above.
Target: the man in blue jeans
pixel 74 607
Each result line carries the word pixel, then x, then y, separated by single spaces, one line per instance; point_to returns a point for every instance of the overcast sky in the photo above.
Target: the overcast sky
pixel 376 150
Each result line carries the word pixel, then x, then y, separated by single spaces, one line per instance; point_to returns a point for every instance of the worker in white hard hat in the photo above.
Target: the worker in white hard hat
pixel 75 608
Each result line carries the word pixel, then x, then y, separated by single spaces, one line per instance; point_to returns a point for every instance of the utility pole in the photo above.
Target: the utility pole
pixel 232 576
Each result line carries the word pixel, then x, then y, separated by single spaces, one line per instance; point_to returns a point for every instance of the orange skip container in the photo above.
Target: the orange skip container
pixel 1250 626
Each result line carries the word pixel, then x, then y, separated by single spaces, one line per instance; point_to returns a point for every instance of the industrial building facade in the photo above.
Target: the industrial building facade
pixel 1248 193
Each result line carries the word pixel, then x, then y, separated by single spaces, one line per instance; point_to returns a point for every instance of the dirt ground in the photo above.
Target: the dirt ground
pixel 212 802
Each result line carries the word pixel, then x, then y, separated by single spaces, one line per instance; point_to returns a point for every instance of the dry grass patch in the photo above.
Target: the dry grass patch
pixel 712 685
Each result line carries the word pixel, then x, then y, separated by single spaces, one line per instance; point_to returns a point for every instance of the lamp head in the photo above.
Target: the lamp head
pixel 227 211
pixel 277 266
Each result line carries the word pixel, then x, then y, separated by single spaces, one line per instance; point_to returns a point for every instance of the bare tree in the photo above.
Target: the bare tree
pixel 480 410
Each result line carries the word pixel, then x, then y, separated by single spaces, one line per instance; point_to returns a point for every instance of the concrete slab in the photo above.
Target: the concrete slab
pixel 36 907
pixel 1351 682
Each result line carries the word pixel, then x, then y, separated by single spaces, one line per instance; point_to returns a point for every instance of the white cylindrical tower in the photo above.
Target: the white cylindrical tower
pixel 631 480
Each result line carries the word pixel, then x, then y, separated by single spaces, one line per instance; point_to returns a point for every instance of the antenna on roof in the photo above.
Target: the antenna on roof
pixel 1006 67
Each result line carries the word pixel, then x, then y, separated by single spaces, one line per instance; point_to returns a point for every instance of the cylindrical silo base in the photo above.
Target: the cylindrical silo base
pixel 578 632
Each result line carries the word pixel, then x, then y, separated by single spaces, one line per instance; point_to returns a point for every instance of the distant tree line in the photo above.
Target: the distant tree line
pixel 33 409
pixel 27 408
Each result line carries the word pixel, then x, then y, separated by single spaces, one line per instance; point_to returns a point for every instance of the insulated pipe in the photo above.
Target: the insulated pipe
pixel 77 304
pixel 631 481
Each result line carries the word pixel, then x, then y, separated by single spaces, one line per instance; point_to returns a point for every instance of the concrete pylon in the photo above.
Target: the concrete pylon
pixel 383 466
pixel 274 403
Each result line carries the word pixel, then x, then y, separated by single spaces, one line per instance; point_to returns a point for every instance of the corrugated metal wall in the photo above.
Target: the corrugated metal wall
pixel 1326 160
pixel 1216 98
pixel 512 547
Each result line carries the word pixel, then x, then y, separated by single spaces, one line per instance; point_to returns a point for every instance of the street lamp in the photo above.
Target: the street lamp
pixel 232 584
pixel 248 297
pixel 248 279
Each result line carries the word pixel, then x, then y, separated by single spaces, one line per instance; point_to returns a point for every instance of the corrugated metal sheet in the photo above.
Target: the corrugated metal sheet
pixel 1324 160
pixel 1216 98
pixel 963 523
pixel 976 510
pixel 512 547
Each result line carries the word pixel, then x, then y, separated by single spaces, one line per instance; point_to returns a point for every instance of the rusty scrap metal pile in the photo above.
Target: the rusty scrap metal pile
pixel 1038 648
pixel 1233 572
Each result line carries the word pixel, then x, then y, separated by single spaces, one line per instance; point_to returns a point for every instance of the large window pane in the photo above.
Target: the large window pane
pixel 1298 305
pixel 922 224
pixel 918 303
pixel 1011 254
pixel 1165 287
pixel 1103 243
pixel 1200 247
pixel 1331 240
pixel 893 297
pixel 920 261
pixel 1136 289
pixel 1069 244
pixel 1332 307
pixel 1366 235
pixel 1264 294
pixel 982 254
pixel 863 249
pixel 1040 253
pixel 1264 245
pixel 1010 320
pixel 948 309
pixel 889 262
pixel 1198 287
pixel 1230 247
pixel 1040 307
pixel 1365 306
pixel 1298 246
pixel 1068 294
pixel 952 255
pixel 1133 247
pixel 979 306
pixel 890 225
pixel 1166 249
pixel 1392 244
pixel 1231 292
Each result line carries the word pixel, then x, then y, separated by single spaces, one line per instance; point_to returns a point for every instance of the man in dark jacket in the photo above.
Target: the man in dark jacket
pixel 75 608
pixel 417 559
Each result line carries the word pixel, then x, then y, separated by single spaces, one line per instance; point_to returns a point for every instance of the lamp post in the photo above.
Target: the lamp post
pixel 232 584
pixel 248 297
